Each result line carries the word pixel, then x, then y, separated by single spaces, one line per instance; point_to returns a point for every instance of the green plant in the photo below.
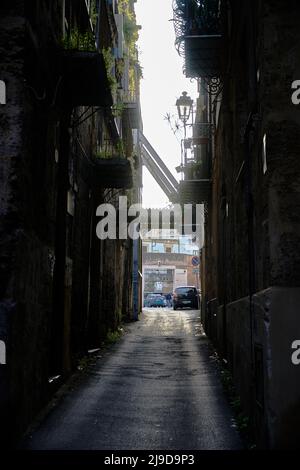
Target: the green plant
pixel 139 69
pixel 120 147
pixel 118 109
pixel 124 7
pixel 85 362
pixel 104 154
pixel 242 420
pixel 113 336
pixel 132 80
pixel 109 65
pixel 131 33
pixel 79 41
pixel 120 65
pixel 94 13
pixel 131 30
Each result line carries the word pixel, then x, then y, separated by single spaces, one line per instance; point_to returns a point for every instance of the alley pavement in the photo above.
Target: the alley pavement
pixel 157 388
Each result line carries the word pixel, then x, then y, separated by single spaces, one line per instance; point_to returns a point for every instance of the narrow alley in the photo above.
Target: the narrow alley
pixel 158 388
pixel 149 157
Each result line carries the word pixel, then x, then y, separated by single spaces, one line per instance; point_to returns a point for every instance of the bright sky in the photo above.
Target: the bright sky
pixel 163 83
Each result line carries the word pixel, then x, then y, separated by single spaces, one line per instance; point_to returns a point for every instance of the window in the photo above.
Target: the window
pixel 185 290
pixel 168 249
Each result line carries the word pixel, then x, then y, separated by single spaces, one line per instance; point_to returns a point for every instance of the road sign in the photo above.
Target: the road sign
pixel 195 261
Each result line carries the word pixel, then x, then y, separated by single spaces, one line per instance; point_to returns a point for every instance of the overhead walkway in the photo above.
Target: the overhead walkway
pixel 159 170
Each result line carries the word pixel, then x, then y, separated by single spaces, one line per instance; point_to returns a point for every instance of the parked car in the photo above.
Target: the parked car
pixel 155 300
pixel 185 296
pixel 149 297
pixel 160 301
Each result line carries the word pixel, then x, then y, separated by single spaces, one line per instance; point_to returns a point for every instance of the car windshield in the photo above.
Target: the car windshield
pixel 184 290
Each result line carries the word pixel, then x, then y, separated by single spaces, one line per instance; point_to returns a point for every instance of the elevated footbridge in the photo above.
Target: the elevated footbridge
pixel 159 170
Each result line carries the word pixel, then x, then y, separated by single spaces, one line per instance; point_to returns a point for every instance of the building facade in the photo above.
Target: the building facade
pixel 69 121
pixel 169 260
pixel 246 58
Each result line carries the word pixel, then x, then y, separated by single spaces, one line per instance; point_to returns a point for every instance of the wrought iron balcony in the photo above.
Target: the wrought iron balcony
pixel 133 109
pixel 194 191
pixel 195 170
pixel 202 133
pixel 196 186
pixel 198 36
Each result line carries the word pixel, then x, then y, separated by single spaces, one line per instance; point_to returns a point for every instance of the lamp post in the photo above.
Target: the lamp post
pixel 184 106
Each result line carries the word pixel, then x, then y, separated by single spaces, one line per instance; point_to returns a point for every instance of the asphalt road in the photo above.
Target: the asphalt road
pixel 158 388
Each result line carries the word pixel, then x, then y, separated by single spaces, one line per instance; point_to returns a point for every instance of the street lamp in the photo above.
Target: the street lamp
pixel 184 107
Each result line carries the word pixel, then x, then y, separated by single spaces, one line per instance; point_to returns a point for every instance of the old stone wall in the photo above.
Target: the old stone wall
pixel 252 232
pixel 61 288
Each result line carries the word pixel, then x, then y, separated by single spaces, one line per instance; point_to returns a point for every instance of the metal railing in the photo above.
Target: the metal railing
pixel 202 130
pixel 130 97
pixel 195 18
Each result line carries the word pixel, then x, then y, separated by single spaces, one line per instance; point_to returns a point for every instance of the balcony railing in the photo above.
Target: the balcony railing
pixel 197 169
pixel 133 108
pixel 202 133
pixel 195 191
pixel 130 97
pixel 198 36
